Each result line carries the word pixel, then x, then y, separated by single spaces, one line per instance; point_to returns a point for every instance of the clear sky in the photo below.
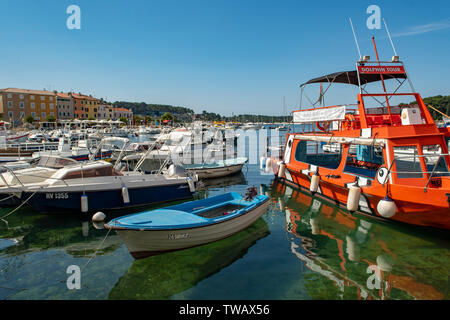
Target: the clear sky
pixel 233 56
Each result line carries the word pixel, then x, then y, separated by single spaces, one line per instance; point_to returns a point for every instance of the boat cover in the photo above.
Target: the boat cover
pixel 351 77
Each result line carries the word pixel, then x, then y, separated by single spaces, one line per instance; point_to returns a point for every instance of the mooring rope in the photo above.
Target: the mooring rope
pixel 2 218
pixel 95 253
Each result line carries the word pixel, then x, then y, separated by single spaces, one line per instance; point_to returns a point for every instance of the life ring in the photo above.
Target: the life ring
pixel 325 127
pixel 349 122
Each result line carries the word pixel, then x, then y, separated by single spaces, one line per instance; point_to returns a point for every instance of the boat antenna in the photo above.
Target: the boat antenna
pixel 390 39
pixel 356 40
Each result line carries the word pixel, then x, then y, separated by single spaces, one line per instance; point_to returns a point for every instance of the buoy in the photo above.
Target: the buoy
pixel 191 184
pixel 98 217
pixel 262 163
pixel 268 164
pixel 125 195
pixel 281 170
pixel 354 194
pixel 314 222
pixel 84 203
pixel 386 207
pixel 98 225
pixel 314 183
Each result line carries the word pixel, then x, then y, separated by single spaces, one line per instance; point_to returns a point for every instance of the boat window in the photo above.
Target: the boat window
pixel 431 156
pixel 55 162
pixel 407 161
pixel 90 173
pixel 319 153
pixel 364 160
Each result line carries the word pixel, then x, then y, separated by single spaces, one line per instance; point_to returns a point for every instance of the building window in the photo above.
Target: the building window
pixel 10 114
pixel 32 105
pixel 32 97
pixel 21 96
pixel 51 98
pixel 10 95
pixel 33 114
pixel 52 114
pixel 42 105
pixel 22 104
pixel 10 105
pixel 51 106
pixel 42 97
pixel 43 115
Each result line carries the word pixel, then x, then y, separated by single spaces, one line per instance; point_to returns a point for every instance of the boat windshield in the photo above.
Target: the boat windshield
pixel 55 162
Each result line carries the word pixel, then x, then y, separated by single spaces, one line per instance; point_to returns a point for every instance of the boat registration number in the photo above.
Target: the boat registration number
pixel 57 195
pixel 173 236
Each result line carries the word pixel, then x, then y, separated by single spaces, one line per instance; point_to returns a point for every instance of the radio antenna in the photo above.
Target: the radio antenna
pixel 356 40
pixel 389 35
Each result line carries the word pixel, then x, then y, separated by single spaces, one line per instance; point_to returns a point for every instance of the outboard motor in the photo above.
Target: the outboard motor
pixel 250 193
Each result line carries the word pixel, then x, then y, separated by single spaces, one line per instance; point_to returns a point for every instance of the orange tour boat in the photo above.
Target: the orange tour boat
pixel 377 157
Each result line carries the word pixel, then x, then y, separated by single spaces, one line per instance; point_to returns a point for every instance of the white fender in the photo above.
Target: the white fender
pixel 354 194
pixel 386 207
pixel 314 183
pixel 125 195
pixel 281 170
pixel 268 164
pixel 98 217
pixel 191 184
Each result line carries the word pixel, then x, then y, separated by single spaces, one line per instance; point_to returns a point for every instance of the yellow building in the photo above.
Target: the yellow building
pixel 85 107
pixel 16 104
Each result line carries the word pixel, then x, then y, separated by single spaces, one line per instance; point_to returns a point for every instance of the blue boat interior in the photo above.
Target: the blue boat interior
pixel 190 214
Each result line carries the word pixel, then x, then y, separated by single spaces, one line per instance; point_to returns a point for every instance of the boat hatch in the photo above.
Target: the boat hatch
pixel 98 170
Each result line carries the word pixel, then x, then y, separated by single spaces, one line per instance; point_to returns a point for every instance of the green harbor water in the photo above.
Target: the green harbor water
pixel 302 248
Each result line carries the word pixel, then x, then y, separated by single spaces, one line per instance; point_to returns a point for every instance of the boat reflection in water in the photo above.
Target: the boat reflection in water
pixel 352 258
pixel 162 276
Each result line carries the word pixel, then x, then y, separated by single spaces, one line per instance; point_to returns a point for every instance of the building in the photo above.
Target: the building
pixel 85 107
pixel 123 112
pixel 105 111
pixel 16 104
pixel 65 106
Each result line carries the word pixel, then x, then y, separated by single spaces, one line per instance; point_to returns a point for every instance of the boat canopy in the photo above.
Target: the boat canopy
pixel 351 77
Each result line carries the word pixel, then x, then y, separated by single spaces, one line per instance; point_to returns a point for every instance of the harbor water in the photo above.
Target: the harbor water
pixel 302 248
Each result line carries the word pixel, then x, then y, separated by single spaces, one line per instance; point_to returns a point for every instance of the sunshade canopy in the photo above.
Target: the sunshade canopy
pixel 351 77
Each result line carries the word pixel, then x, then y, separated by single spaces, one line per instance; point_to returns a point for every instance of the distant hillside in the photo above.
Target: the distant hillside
pixel 156 110
pixel 442 103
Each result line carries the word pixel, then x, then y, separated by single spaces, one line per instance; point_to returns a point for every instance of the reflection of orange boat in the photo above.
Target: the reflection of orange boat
pixel 316 228
pixel 387 162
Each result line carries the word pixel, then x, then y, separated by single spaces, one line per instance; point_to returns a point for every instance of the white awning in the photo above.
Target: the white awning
pixel 319 114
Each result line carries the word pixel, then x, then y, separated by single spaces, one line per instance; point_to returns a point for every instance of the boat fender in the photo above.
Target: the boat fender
pixel 268 165
pixel 354 194
pixel 191 184
pixel 282 204
pixel 98 225
pixel 262 163
pixel 281 170
pixel 125 195
pixel 314 183
pixel 98 217
pixel 386 207
pixel 84 203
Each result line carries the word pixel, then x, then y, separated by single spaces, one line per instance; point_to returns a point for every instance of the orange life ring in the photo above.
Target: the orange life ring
pixel 349 122
pixel 325 127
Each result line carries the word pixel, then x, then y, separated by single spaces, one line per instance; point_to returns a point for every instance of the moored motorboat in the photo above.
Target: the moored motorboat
pixel 217 168
pixel 188 224
pixel 388 161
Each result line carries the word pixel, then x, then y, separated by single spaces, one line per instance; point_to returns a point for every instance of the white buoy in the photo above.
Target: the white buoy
pixel 386 207
pixel 314 183
pixel 268 165
pixel 125 195
pixel 281 170
pixel 98 225
pixel 282 204
pixel 84 203
pixel 262 163
pixel 354 194
pixel 98 217
pixel 191 184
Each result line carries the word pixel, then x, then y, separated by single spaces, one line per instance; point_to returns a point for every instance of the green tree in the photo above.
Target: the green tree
pixel 28 119
pixel 91 118
pixel 167 116
pixel 123 119
pixel 148 119
pixel 51 119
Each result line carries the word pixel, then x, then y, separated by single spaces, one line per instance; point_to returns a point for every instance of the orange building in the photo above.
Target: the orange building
pixel 85 107
pixel 16 104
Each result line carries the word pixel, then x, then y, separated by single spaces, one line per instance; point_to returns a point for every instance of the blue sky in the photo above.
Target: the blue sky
pixel 220 56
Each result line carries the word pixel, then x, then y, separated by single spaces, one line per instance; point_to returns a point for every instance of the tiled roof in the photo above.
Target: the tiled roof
pixel 27 91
